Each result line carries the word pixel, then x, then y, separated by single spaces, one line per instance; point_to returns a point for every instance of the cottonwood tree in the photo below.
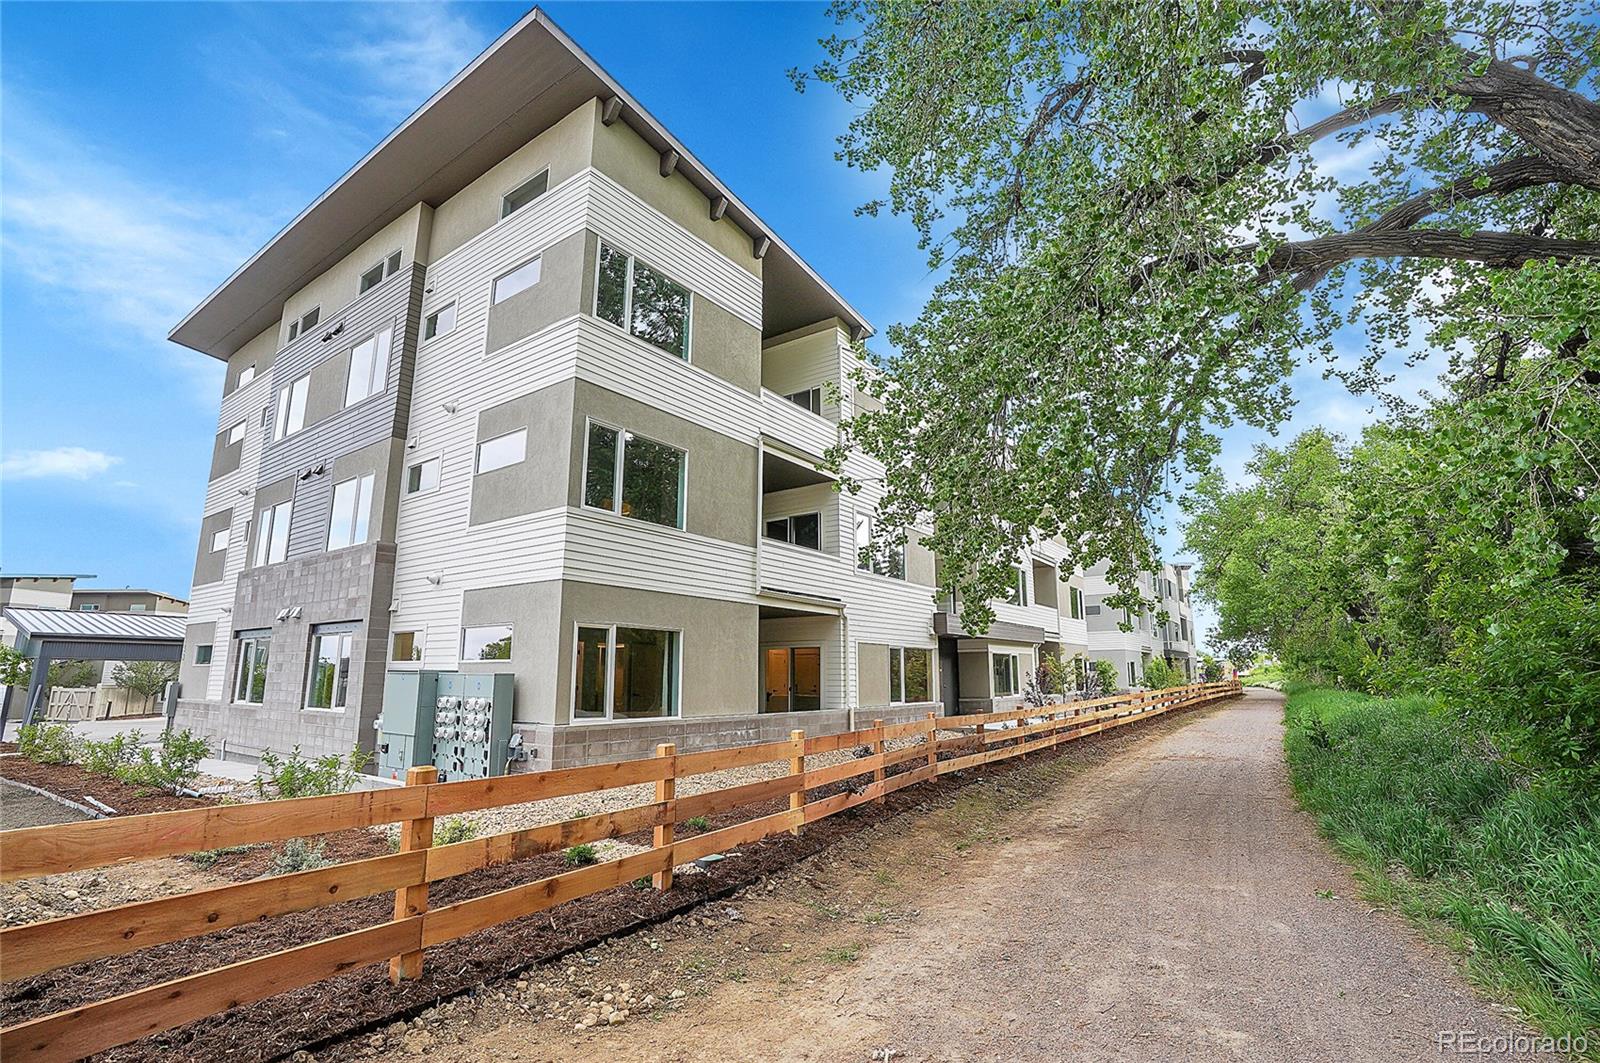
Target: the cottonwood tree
pixel 1145 217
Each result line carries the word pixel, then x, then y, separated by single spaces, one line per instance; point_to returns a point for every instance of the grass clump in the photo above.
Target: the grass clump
pixel 581 856
pixel 697 823
pixel 453 829
pixel 1443 828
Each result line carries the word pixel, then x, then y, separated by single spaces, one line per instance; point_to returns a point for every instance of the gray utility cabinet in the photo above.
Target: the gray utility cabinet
pixel 472 724
pixel 405 730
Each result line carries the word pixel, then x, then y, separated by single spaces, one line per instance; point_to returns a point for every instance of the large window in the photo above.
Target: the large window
pixel 369 368
pixel 1006 675
pixel 352 506
pixel 633 476
pixel 791 678
pixel 625 673
pixel 501 451
pixel 875 554
pixel 250 681
pixel 291 407
pixel 329 682
pixel 525 193
pixel 1018 594
pixel 803 529
pixel 909 674
pixel 520 279
pixel 647 303
pixel 272 534
pixel 489 642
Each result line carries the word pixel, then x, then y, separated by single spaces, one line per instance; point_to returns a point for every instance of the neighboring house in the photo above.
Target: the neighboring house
pixel 530 391
pixel 1145 636
pixel 125 600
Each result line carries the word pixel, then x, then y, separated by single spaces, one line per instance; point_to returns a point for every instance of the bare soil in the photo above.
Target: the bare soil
pixel 1158 898
pixel 74 783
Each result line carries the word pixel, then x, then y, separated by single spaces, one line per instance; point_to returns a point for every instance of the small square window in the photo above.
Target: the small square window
pixel 247 374
pixel 422 476
pixel 525 193
pixel 439 322
pixel 405 646
pixel 236 433
pixel 202 654
pixel 393 265
pixel 311 318
pixel 219 541
pixel 371 278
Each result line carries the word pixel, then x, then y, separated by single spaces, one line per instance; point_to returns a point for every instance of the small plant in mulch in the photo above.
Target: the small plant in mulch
pixel 641 883
pixel 172 764
pixel 453 829
pixel 699 823
pixel 581 856
pixel 46 743
pixel 206 858
pixel 107 756
pixel 295 776
pixel 298 854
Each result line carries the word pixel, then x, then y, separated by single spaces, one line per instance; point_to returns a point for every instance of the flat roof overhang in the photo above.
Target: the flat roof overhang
pixel 524 82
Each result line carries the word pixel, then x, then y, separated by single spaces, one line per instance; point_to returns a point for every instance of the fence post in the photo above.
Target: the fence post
pixel 415 834
pixel 877 749
pixel 933 743
pixel 797 766
pixel 666 790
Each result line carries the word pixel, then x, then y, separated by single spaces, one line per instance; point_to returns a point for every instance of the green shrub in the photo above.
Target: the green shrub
pixel 1107 678
pixel 298 854
pixel 171 764
pixel 47 743
pixel 295 776
pixel 1159 675
pixel 453 829
pixel 581 855
pixel 697 823
pixel 107 756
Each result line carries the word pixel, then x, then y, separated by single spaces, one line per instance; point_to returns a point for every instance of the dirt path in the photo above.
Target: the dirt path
pixel 1167 901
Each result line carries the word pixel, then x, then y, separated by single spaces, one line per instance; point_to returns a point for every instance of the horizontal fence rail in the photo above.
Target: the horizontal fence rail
pixel 35 948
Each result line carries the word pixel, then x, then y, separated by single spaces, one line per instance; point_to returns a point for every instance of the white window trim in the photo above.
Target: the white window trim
pixel 1016 672
pixel 627 304
pixel 821 538
pixel 357 516
pixel 538 257
pixel 227 541
pixel 421 632
pixel 461 644
pixel 506 215
pixel 477 452
pixel 439 307
pixel 298 327
pixel 241 426
pixel 281 414
pixel 437 456
pixel 261 557
pixel 616 472
pixel 378 387
pixel 342 632
pixel 933 673
pixel 611 675
pixel 238 668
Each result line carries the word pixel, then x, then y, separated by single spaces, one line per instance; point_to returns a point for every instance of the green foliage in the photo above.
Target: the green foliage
pixel 1132 253
pixel 1159 675
pixel 147 679
pixel 581 855
pixel 295 776
pixel 73 674
pixel 453 829
pixel 47 743
pixel 298 854
pixel 211 857
pixel 697 823
pixel 1107 676
pixel 110 755
pixel 1210 669
pixel 15 667
pixel 171 764
pixel 1511 861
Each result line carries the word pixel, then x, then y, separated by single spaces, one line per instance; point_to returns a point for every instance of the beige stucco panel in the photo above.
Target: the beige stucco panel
pixel 340 285
pixel 558 295
pixel 541 480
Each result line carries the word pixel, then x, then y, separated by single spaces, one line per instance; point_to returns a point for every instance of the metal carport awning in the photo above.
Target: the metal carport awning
pixel 46 635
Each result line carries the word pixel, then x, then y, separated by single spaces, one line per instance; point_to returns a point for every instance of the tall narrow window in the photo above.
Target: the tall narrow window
pixel 1019 589
pixel 329 683
pixel 633 476
pixel 250 681
pixel 352 506
pixel 1075 598
pixel 643 300
pixel 1005 675
pixel 369 368
pixel 520 279
pixel 291 416
pixel 792 679
pixel 910 679
pixel 501 451
pixel 625 673
pixel 525 193
pixel 439 322
pixel 272 534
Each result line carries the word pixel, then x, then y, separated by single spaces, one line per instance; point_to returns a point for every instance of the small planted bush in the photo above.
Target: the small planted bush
pixel 47 743
pixel 171 764
pixel 697 823
pixel 453 829
pixel 298 854
pixel 110 755
pixel 295 776
pixel 581 855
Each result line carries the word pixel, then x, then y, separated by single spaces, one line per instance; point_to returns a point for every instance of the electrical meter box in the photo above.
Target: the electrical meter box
pixel 405 729
pixel 471 724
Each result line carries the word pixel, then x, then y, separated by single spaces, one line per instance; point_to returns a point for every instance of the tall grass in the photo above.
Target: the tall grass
pixel 1440 827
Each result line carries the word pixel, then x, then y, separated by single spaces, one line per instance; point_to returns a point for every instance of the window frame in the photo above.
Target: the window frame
pixel 898 697
pixel 405 484
pixel 626 328
pixel 789 649
pixel 815 390
pixel 477 453
pixel 461 644
pixel 283 411
pixel 1014 660
pixel 227 540
pixel 419 641
pixel 611 674
pixel 375 384
pixel 300 327
pixel 243 380
pixel 789 520
pixel 360 516
pixel 519 186
pixel 342 633
pixel 617 484
pixel 241 427
pixel 1075 602
pixel 871 568
pixel 209 650
pixel 495 298
pixel 449 304
pixel 266 526
pixel 252 639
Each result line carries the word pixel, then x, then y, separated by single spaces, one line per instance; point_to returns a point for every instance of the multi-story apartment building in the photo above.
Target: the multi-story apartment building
pixel 530 391
pixel 1145 636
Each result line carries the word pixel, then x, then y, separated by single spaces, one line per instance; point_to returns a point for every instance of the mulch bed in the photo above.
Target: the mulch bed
pixel 326 1012
pixel 72 782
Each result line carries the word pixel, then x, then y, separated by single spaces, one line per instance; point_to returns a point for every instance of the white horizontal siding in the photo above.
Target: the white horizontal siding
pixel 799 428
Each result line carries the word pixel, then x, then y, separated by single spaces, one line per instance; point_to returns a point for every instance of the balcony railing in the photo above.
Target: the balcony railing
pixel 798 427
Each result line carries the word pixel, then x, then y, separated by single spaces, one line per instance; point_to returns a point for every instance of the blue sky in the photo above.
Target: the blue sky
pixel 148 149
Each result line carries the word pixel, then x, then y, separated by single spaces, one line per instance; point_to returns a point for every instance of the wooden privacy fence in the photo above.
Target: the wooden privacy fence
pixel 37 947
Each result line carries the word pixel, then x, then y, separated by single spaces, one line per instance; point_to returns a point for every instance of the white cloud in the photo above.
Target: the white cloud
pixel 407 51
pixel 57 463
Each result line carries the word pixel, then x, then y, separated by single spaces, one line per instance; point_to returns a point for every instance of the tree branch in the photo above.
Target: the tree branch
pixel 1496 249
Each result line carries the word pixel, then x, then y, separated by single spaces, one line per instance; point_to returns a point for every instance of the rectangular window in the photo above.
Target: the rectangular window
pixel 1005 675
pixel 625 673
pixel 291 407
pixel 791 679
pixel 633 476
pixel 247 374
pixel 642 300
pixel 490 642
pixel 202 654
pixel 250 681
pixel 910 669
pixel 369 368
pixel 405 647
pixel 88 607
pixel 236 433
pixel 329 683
pixel 392 266
pixel 219 541
pixel 525 193
pixel 1133 680
pixel 1019 590
pixel 804 529
pixel 422 476
pixel 371 278
pixel 1075 598
pixel 520 279
pixel 874 555
pixel 352 507
pixel 439 321
pixel 138 607
pixel 307 322
pixel 809 399
pixel 501 451
pixel 272 534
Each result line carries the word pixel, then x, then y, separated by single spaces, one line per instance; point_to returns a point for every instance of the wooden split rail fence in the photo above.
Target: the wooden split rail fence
pixel 80 1031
